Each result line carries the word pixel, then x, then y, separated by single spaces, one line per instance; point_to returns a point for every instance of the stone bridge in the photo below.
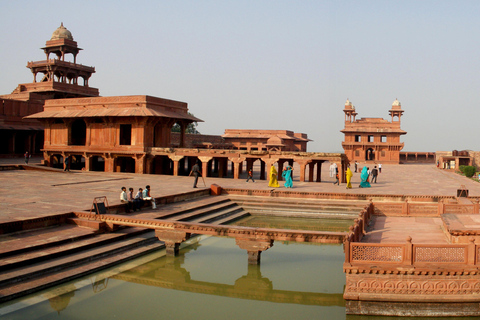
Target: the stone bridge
pixel 254 240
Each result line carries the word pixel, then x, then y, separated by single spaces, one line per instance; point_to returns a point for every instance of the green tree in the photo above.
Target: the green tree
pixel 191 127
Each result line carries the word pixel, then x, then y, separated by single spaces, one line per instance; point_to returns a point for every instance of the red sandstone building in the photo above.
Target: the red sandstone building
pixel 373 139
pixel 266 140
pixel 59 79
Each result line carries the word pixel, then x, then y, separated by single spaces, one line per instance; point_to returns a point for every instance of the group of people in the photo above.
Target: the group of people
pixel 136 202
pixel 287 174
pixel 364 176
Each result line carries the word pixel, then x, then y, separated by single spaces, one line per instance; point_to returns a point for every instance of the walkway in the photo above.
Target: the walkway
pixel 28 194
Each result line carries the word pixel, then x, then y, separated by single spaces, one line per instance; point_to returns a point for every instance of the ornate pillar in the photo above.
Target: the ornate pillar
pixel 175 160
pixel 319 171
pixel 280 169
pixel 311 168
pixel 109 162
pixel 236 166
pixel 140 163
pixel 254 247
pixel 204 161
pixel 88 161
pixel 262 170
pixel 303 164
pixel 172 240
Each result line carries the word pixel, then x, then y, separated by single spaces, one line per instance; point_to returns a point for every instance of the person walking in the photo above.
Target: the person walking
pixel 287 175
pixel 67 162
pixel 196 172
pixel 349 176
pixel 27 156
pixel 273 177
pixel 250 175
pixel 374 174
pixel 380 167
pixel 364 178
pixel 337 180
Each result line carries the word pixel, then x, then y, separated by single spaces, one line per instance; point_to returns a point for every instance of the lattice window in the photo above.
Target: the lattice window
pixel 430 254
pixel 370 253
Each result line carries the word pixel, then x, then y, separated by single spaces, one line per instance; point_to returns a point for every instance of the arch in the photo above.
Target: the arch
pixel 370 154
pixel 78 133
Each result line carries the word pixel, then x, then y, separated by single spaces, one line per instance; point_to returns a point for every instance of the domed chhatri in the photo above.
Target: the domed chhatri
pixel 396 103
pixel 62 33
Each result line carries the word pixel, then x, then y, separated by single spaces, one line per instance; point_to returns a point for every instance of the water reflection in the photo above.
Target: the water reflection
pixel 167 272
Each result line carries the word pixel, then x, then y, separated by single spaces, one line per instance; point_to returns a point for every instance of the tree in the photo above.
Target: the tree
pixel 191 127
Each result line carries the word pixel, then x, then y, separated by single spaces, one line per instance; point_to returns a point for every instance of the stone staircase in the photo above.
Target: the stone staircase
pixel 40 258
pixel 302 208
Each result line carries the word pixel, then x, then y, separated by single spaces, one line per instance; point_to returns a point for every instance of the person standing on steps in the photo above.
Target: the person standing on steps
pixel 196 172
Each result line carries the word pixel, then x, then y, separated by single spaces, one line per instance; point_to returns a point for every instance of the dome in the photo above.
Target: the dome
pixel 61 33
pixel 348 103
pixel 396 103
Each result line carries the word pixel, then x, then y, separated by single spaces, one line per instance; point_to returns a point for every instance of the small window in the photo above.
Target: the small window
pixel 357 153
pixel 383 153
pixel 125 134
pixel 358 138
pixel 383 139
pixel 370 138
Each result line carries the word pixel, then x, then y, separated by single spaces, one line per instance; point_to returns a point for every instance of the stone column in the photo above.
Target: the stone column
pixel 303 164
pixel 175 160
pixel 311 169
pixel 88 161
pixel 262 170
pixel 204 161
pixel 319 171
pixel 236 166
pixel 109 163
pixel 254 247
pixel 280 169
pixel 172 240
pixel 140 163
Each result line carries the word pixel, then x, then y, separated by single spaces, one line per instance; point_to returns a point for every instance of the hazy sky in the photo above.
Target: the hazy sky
pixel 273 64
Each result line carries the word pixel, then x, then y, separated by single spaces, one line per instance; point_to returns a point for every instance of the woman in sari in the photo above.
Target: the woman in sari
pixel 349 176
pixel 273 177
pixel 287 175
pixel 364 178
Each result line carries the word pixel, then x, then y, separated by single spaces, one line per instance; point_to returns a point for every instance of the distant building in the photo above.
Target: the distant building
pixel 60 79
pixel 373 139
pixel 266 140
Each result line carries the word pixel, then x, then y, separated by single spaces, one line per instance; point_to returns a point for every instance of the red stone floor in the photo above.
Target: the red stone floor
pixel 27 194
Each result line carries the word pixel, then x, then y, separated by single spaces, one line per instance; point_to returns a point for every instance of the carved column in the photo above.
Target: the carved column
pixel 303 165
pixel 175 160
pixel 172 240
pixel 254 248
pixel 139 163
pixel 311 169
pixel 319 171
pixel 236 166
pixel 280 169
pixel 109 162
pixel 205 165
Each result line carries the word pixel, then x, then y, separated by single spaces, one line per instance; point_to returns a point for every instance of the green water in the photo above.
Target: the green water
pixel 209 280
pixel 313 224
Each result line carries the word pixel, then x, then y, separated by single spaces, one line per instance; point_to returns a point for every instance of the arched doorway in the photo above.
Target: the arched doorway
pixel 56 161
pixel 370 154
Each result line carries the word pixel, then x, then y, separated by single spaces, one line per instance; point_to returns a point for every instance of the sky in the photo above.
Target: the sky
pixel 277 65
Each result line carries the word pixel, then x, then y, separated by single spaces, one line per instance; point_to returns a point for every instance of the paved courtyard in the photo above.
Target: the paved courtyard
pixel 27 194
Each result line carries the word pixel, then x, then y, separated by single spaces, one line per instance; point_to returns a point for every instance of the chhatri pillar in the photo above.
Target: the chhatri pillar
pixel 254 247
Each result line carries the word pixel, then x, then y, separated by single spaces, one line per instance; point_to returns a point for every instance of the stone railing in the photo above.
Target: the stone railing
pixel 411 255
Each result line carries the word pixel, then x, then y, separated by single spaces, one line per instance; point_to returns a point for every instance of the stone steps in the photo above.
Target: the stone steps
pixel 57 249
pixel 34 260
pixel 62 275
pixel 310 208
